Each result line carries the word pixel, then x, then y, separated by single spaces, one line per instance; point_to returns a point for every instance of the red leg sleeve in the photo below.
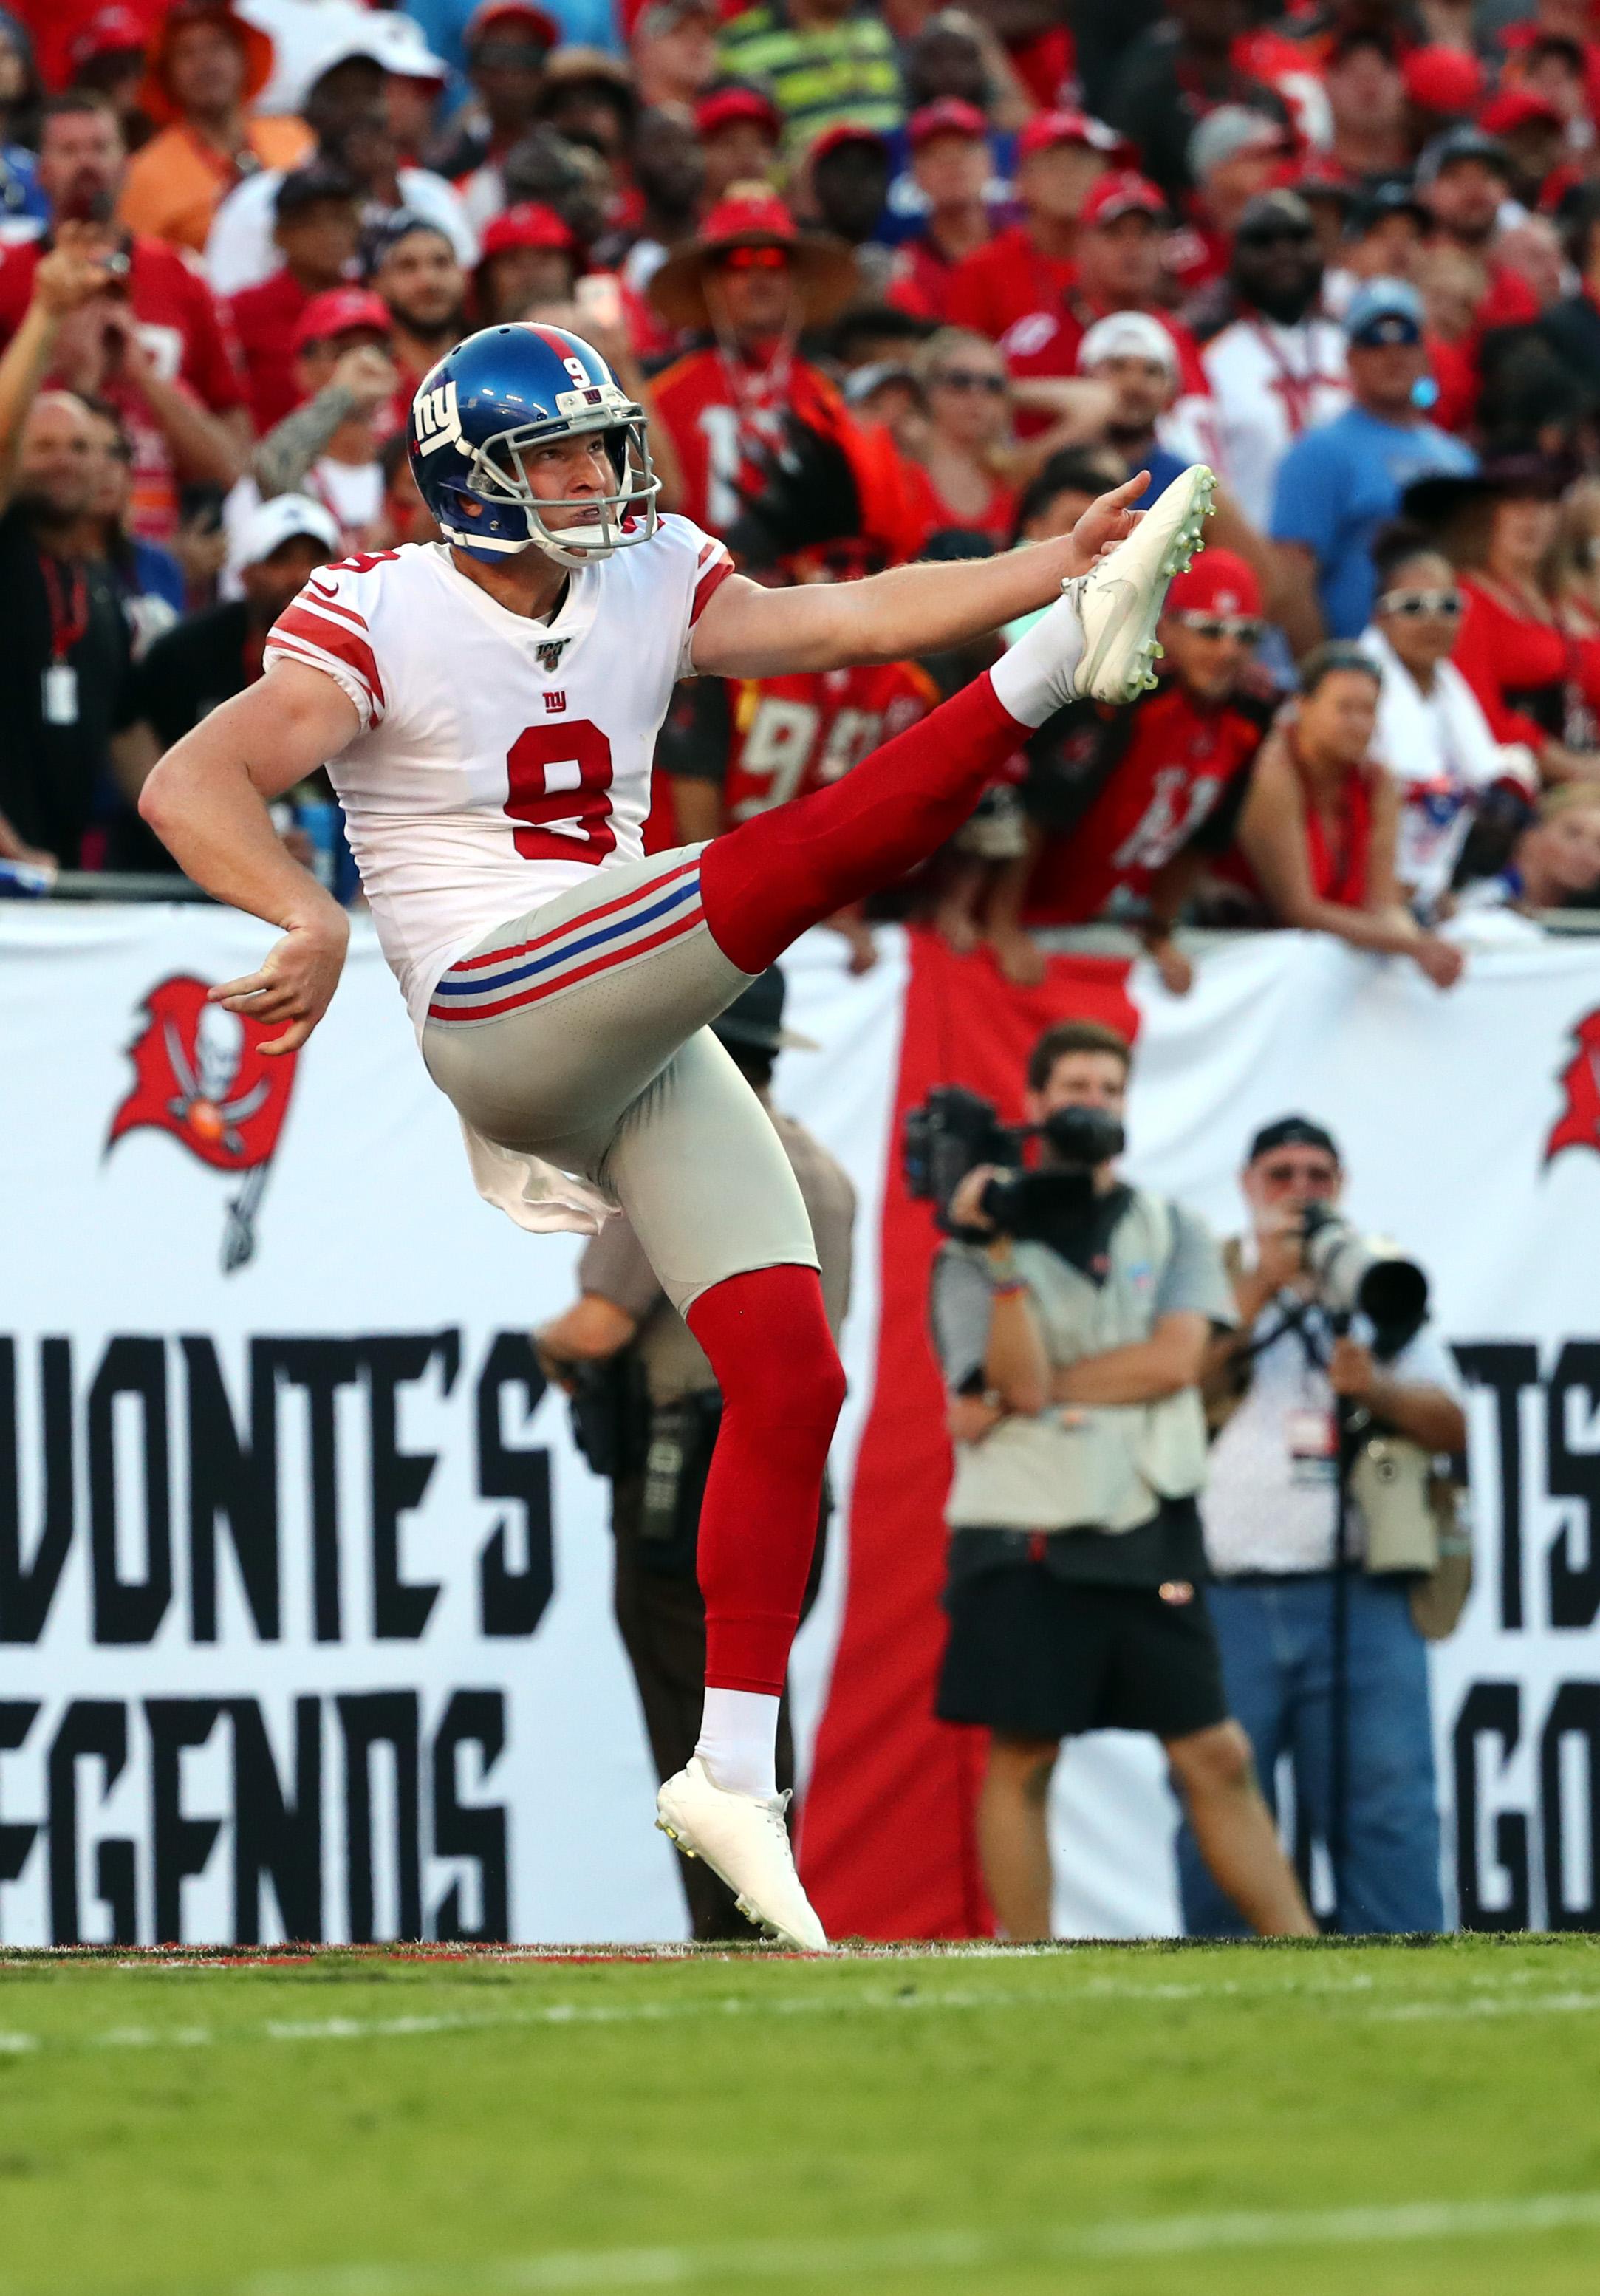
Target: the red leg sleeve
pixel 767 882
pixel 782 1388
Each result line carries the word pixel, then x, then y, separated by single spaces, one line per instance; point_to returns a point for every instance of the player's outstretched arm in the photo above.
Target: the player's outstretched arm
pixel 745 631
pixel 207 801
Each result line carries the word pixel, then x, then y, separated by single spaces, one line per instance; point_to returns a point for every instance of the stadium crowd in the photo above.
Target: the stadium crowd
pixel 892 281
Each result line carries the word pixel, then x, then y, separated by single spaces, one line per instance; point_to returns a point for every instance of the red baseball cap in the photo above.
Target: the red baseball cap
pixel 1518 107
pixel 340 311
pixel 1443 80
pixel 1120 194
pixel 1218 582
pixel 537 20
pixel 530 224
pixel 726 104
pixel 844 131
pixel 949 116
pixel 1046 130
pixel 108 32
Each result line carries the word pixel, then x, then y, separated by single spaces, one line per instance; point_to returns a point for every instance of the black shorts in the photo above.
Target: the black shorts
pixel 1035 1655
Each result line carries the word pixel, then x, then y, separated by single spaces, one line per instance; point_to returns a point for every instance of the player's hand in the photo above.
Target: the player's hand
pixel 1351 1371
pixel 1106 522
pixel 74 271
pixel 297 978
pixel 370 376
pixel 1441 960
pixel 966 1205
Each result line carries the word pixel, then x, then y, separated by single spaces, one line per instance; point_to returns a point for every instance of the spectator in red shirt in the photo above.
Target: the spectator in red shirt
pixel 1464 178
pixel 1060 156
pixel 152 345
pixel 317 229
pixel 1320 822
pixel 1536 679
pixel 948 142
pixel 1119 267
pixel 957 475
pixel 750 281
pixel 740 131
pixel 1161 786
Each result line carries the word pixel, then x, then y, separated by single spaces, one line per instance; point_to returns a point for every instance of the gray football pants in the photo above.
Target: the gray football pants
pixel 575 1036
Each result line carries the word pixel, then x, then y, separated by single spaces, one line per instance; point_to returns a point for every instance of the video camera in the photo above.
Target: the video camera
pixel 1366 1275
pixel 956 1130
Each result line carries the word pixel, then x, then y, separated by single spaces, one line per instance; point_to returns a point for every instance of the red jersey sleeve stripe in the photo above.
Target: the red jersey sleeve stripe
pixel 716 574
pixel 317 603
pixel 344 644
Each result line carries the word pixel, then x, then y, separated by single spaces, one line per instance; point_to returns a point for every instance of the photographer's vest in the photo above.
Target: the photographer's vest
pixel 1087 1466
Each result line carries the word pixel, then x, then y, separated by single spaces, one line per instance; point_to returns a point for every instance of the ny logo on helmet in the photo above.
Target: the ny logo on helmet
pixel 437 418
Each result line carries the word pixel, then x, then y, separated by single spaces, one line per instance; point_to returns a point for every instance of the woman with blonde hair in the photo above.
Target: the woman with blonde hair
pixel 970 464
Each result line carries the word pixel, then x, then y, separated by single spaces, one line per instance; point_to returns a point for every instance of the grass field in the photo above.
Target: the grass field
pixel 1111 2120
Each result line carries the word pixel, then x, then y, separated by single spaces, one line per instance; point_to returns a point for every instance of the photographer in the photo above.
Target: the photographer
pixel 1322 1655
pixel 646 1411
pixel 1072 1313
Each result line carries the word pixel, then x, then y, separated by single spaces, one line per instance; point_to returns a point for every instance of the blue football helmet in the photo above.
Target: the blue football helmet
pixel 501 391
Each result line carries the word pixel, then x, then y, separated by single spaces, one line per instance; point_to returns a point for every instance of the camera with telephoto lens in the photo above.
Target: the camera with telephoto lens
pixel 956 1130
pixel 1364 1276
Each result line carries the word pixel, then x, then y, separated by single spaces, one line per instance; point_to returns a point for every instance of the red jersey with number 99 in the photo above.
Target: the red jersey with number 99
pixel 794 734
pixel 499 760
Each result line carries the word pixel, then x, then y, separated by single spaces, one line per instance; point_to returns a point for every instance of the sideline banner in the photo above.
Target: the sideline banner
pixel 305 1596
pixel 305 1601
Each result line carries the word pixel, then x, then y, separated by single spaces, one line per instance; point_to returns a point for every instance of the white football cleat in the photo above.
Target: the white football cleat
pixel 743 1838
pixel 1119 600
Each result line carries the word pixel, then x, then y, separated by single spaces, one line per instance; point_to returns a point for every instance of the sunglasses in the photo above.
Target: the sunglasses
pixel 1309 1176
pixel 752 258
pixel 1421 602
pixel 1245 628
pixel 963 378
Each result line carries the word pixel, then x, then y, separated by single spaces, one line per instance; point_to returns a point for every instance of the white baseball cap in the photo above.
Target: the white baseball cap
pixel 1128 334
pixel 273 523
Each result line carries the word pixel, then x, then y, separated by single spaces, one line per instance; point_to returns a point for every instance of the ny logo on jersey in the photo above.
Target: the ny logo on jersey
pixel 437 418
pixel 550 654
pixel 555 701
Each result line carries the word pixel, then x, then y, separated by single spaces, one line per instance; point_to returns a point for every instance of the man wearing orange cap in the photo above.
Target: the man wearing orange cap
pixel 206 68
pixel 1060 157
pixel 1152 788
pixel 751 281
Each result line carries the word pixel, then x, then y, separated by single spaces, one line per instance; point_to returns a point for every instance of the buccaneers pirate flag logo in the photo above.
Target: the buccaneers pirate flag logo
pixel 1578 1124
pixel 199 1074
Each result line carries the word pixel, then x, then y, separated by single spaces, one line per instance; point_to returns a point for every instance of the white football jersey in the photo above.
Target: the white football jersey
pixel 499 759
pixel 1269 384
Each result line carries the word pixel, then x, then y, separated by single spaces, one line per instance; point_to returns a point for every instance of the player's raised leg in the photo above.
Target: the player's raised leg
pixel 768 879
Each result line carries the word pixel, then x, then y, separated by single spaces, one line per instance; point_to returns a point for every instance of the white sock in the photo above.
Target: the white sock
pixel 1031 678
pixel 739 1739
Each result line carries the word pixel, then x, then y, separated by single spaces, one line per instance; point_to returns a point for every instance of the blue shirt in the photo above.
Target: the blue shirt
pixel 589 23
pixel 1339 484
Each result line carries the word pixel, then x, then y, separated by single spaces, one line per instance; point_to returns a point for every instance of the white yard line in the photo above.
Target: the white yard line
pixel 1516 1998
pixel 736 2261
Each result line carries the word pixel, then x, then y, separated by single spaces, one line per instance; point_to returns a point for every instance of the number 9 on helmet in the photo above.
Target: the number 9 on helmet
pixel 502 393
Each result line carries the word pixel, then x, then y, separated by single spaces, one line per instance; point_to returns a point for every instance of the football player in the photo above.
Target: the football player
pixel 488 707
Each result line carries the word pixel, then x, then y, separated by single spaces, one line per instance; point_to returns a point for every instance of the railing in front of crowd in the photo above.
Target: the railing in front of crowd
pixel 1083 940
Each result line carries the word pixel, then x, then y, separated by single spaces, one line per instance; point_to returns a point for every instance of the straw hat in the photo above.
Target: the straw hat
pixel 753 216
